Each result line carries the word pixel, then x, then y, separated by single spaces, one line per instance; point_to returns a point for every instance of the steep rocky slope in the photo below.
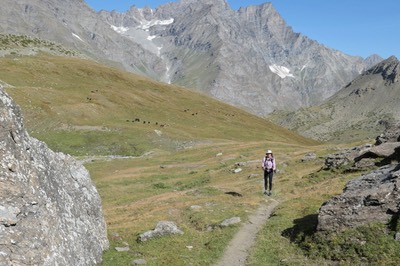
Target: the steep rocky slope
pixel 362 109
pixel 249 58
pixel 50 211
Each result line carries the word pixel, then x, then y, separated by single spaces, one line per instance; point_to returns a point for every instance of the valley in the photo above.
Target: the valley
pixel 198 169
pixel 160 152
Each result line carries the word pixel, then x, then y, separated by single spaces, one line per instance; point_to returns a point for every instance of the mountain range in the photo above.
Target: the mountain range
pixel 362 109
pixel 249 58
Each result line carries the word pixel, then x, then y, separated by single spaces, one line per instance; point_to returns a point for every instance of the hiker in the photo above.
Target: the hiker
pixel 269 167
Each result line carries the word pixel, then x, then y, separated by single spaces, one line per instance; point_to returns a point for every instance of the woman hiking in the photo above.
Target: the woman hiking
pixel 269 167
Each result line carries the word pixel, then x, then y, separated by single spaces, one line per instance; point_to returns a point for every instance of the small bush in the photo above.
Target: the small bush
pixel 160 186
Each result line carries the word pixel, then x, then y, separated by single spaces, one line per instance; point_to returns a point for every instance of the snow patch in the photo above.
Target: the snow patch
pixel 150 38
pixel 281 71
pixel 76 36
pixel 145 25
pixel 120 30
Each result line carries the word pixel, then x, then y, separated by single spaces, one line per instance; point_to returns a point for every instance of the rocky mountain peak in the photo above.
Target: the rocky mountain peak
pixel 200 44
pixel 389 69
pixel 216 3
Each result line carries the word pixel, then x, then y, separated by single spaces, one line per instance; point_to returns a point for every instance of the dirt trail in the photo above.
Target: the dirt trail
pixel 238 249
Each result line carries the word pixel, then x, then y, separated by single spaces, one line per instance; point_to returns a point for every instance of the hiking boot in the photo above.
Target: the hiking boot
pixel 269 193
pixel 265 192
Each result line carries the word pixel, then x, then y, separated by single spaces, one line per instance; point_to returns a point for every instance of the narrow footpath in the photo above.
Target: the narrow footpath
pixel 238 249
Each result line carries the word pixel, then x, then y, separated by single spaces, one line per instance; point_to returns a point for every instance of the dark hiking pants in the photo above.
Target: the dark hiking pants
pixel 268 174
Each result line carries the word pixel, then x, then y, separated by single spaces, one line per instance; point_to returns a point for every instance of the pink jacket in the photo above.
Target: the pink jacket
pixel 268 163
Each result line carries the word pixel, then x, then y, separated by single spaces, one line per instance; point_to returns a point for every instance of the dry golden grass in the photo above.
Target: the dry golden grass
pixel 183 167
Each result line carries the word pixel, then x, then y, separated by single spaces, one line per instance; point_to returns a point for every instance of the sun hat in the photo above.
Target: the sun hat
pixel 268 151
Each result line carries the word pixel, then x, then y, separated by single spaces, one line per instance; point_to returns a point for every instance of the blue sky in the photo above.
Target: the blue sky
pixel 355 27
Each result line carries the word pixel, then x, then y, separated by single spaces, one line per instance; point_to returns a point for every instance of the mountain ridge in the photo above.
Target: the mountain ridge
pixel 248 58
pixel 361 109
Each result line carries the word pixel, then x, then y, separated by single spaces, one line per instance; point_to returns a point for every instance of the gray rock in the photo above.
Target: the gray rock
pixel 139 262
pixel 309 157
pixel 163 228
pixel 230 221
pixel 346 157
pixel 50 211
pixel 385 149
pixel 391 134
pixel 371 198
pixel 237 170
pixel 122 249
pixel 397 236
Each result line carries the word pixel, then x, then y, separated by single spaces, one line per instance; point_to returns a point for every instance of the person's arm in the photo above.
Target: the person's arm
pixel 263 163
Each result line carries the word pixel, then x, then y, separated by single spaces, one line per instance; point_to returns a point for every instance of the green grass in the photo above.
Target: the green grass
pixel 85 109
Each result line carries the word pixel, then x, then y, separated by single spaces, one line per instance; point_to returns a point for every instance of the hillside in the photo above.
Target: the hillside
pixel 81 107
pixel 360 110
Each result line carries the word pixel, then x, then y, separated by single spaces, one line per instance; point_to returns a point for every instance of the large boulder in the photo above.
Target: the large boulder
pixel 374 197
pixel 391 134
pixel 50 211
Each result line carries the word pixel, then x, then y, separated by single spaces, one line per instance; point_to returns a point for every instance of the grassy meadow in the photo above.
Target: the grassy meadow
pixel 178 151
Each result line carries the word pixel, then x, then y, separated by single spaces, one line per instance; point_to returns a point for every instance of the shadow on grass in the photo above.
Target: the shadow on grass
pixel 302 228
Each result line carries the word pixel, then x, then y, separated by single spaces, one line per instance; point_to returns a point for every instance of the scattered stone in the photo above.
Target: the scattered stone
pixel 397 236
pixel 253 176
pixel 163 228
pixel 139 262
pixel 219 154
pixel 194 207
pixel 309 157
pixel 241 164
pixel 189 247
pixel 230 221
pixel 122 249
pixel 237 170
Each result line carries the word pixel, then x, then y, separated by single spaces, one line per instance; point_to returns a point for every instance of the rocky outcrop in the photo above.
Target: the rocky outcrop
pixel 50 211
pixel 368 199
pixel 391 134
pixel 374 197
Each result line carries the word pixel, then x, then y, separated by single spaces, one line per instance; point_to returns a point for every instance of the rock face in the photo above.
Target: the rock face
pixel 371 198
pixel 374 197
pixel 249 58
pixel 50 211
